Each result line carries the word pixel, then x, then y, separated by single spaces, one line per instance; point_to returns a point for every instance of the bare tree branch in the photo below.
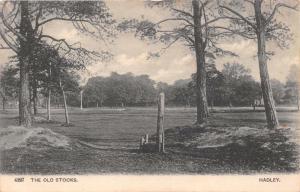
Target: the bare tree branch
pixel 205 27
pixel 240 16
pixel 249 1
pixel 66 19
pixel 277 6
pixel 37 18
pixel 60 41
pixel 217 19
pixel 236 32
pixel 203 4
pixel 183 12
pixel 8 43
pixel 170 44
pixel 174 19
pixel 7 25
pixel 2 47
pixel 72 48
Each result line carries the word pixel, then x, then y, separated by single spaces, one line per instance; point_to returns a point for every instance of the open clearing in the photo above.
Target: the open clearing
pixel 118 132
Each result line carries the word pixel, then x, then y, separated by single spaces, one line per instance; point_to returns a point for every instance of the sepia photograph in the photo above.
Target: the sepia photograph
pixel 149 87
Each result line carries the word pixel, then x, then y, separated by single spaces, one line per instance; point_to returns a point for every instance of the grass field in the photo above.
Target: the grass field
pixel 118 133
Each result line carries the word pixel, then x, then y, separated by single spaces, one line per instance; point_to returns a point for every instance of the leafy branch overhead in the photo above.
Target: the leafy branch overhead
pixel 89 17
pixel 180 28
pixel 246 26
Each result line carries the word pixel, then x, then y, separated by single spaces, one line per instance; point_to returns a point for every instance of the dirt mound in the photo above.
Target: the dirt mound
pixel 33 138
pixel 228 136
pixel 211 137
pixel 41 119
pixel 255 148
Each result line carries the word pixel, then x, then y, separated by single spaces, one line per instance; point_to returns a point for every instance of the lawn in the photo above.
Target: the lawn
pixel 117 133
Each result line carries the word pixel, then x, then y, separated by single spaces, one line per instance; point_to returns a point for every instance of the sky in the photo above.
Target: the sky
pixel 177 62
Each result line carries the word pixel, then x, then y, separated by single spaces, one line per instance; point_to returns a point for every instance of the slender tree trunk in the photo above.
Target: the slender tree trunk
pixel 201 99
pixel 49 105
pixel 297 97
pixel 81 92
pixel 188 102
pixel 35 110
pixel 269 104
pixel 49 94
pixel 65 103
pixel 30 96
pixel 34 91
pixel 3 103
pixel 66 107
pixel 24 58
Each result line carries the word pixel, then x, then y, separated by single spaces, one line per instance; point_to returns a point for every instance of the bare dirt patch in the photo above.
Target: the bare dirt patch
pixel 33 138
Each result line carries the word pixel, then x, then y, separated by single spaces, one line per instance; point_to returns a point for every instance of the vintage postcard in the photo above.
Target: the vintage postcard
pixel 150 95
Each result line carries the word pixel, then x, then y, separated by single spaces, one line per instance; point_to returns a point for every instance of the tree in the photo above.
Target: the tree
pixel 292 84
pixel 67 83
pixel 239 87
pixel 21 28
pixel 260 26
pixel 234 73
pixel 63 77
pixel 278 90
pixel 145 93
pixel 246 92
pixel 193 28
pixel 95 90
pixel 120 90
pixel 182 92
pixel 8 84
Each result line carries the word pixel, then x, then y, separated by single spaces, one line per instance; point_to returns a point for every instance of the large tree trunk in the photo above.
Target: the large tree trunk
pixel 202 108
pixel 24 58
pixel 269 104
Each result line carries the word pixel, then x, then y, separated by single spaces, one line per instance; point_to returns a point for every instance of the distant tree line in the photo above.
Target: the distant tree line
pixel 233 86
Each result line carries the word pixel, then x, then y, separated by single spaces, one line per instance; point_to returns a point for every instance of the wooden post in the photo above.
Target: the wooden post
pixel 160 121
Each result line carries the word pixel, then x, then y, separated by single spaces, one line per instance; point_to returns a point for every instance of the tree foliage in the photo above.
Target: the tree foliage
pixel 118 90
